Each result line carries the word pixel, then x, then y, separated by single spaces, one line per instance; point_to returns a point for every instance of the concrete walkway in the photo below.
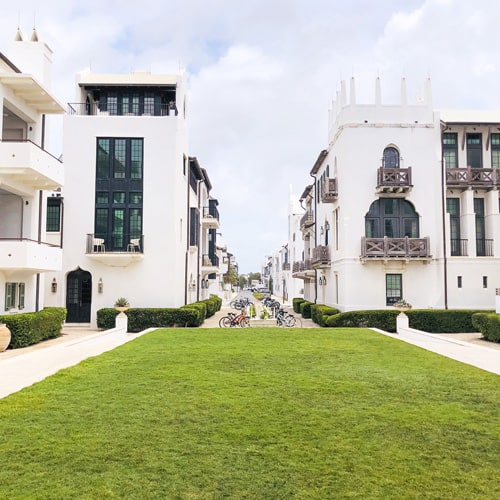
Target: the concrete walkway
pixel 21 368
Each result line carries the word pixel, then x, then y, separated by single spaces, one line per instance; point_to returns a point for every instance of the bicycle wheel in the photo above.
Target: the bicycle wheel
pixel 225 322
pixel 245 322
pixel 297 322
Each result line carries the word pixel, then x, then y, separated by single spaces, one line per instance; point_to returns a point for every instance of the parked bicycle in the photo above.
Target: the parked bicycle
pixel 241 303
pixel 233 320
pixel 285 319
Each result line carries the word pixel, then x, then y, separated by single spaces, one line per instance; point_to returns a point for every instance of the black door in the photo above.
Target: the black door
pixel 78 296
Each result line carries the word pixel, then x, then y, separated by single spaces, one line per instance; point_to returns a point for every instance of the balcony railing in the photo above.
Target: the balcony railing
pixel 307 219
pixel 321 256
pixel 484 247
pixel 329 192
pixel 30 165
pixel 472 177
pixel 95 109
pixel 24 253
pixel 458 247
pixel 394 179
pixel 302 266
pixel 285 266
pixel 114 243
pixel 395 248
pixel 209 260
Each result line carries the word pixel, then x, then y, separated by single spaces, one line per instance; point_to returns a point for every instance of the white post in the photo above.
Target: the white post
pixel 121 322
pixel 402 322
pixel 497 301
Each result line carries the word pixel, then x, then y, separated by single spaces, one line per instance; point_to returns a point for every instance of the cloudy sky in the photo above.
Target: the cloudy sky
pixel 263 73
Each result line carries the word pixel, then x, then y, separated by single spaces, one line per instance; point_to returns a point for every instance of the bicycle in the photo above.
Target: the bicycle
pixel 285 319
pixel 233 320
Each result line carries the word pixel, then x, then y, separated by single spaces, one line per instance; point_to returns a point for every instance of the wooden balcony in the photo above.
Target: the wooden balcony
pixel 307 220
pixel 472 177
pixel 329 193
pixel 394 180
pixel 321 257
pixel 395 249
pixel 303 269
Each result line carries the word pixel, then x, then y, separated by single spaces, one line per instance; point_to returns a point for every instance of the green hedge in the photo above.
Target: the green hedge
pixel 383 319
pixel 320 312
pixel 488 324
pixel 305 309
pixel 296 304
pixel 31 328
pixel 442 321
pixel 139 319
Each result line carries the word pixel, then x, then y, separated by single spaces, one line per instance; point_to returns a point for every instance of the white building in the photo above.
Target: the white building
pixel 27 174
pixel 405 204
pixel 137 217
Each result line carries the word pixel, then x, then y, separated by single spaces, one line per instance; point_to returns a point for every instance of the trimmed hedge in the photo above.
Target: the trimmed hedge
pixel 488 324
pixel 296 304
pixel 31 328
pixel 190 315
pixel 320 312
pixel 383 319
pixel 442 321
pixel 305 308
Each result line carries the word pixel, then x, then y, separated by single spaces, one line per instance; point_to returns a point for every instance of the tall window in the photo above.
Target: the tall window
pixel 391 158
pixel 393 288
pixel 119 191
pixel 474 151
pixel 480 227
pixel 53 214
pixel 450 150
pixel 391 217
pixel 14 295
pixel 453 208
pixel 495 150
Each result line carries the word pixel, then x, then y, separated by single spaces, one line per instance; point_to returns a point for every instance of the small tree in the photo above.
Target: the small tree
pixel 231 277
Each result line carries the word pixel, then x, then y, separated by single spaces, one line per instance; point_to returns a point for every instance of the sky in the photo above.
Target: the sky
pixel 262 75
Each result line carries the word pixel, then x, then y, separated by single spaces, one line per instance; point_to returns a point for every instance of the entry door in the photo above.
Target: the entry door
pixel 78 296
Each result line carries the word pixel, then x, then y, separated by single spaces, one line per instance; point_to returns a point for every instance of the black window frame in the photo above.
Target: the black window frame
pixel 53 215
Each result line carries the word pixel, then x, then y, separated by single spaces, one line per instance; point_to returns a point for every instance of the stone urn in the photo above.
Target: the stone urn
pixel 4 337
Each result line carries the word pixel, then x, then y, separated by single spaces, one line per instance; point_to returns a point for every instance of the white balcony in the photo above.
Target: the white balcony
pixel 26 167
pixel 17 254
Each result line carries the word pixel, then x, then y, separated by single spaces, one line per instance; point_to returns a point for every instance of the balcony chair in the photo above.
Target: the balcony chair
pixel 98 245
pixel 134 245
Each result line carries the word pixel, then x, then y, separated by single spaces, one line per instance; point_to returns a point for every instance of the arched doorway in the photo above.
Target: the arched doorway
pixel 78 296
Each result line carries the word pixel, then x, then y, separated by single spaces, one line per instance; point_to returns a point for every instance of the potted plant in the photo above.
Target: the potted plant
pixel 121 304
pixel 401 305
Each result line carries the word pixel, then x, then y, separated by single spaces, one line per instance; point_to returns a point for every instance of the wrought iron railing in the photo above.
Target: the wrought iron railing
pixel 307 219
pixel 458 247
pixel 210 260
pixel 211 211
pixel 484 247
pixel 97 109
pixel 395 247
pixel 285 266
pixel 114 243
pixel 302 265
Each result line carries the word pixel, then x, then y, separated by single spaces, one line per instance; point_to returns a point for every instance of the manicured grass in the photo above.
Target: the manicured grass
pixel 262 413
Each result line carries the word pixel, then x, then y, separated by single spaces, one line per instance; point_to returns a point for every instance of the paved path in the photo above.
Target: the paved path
pixel 21 368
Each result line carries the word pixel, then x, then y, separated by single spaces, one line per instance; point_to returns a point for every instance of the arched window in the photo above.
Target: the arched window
pixel 391 158
pixel 391 217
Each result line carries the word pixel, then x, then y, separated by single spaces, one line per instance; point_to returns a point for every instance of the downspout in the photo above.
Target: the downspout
pixel 315 236
pixel 199 241
pixel 37 285
pixel 188 218
pixel 443 213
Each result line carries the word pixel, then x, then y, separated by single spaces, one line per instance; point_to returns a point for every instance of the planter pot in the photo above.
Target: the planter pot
pixel 4 337
pixel 402 309
pixel 121 309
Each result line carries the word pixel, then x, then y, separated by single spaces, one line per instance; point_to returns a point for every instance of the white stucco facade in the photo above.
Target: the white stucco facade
pixel 378 226
pixel 28 174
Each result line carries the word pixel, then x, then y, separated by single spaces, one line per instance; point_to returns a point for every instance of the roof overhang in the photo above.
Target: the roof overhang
pixel 32 92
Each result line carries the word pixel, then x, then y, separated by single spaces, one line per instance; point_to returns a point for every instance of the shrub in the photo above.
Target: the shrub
pixel 296 304
pixel 382 319
pixel 305 309
pixel 320 312
pixel 442 321
pixel 488 324
pixel 31 328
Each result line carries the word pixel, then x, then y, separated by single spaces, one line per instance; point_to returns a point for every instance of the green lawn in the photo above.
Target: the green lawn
pixel 255 413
